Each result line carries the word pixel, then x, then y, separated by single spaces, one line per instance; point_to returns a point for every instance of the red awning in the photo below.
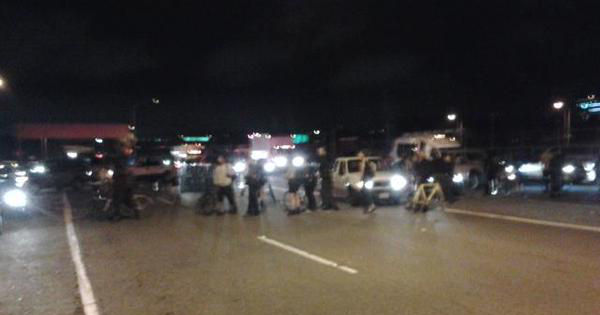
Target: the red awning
pixel 71 131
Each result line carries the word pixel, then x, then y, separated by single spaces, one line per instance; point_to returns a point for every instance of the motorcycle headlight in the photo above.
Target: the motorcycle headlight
pixel 509 168
pixel 458 178
pixel 269 167
pixel 239 167
pixel 15 198
pixel 568 169
pixel 398 182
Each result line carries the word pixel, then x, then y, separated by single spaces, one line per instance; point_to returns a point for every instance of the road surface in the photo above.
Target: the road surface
pixel 391 262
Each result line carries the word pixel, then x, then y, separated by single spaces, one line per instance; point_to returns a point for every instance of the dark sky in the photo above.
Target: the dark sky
pixel 279 65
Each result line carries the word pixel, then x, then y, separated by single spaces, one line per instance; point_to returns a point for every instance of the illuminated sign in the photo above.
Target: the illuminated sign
pixel 197 139
pixel 590 106
pixel 300 138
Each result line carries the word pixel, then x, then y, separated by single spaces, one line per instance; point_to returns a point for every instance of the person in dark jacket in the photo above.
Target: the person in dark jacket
pixel 367 170
pixel 310 183
pixel 326 181
pixel 556 180
pixel 254 182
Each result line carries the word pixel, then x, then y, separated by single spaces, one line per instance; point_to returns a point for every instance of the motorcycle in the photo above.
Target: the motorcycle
pixel 505 180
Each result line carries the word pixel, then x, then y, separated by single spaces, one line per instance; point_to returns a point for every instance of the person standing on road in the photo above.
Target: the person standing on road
pixel 367 170
pixel 254 182
pixel 310 183
pixel 223 175
pixel 326 181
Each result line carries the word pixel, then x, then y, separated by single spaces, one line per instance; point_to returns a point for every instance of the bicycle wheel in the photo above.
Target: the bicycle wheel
pixel 207 204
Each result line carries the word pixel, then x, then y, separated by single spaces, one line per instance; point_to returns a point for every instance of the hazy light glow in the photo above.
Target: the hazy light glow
pixel 72 155
pixel 458 178
pixel 298 161
pixel 398 182
pixel 589 166
pixel 15 198
pixel 590 176
pixel 511 177
pixel 369 184
pixel 239 166
pixel 38 169
pixel 269 167
pixel 99 140
pixel 451 117
pixel 568 169
pixel 280 161
pixel 259 154
pixel 531 168
pixel 509 168
pixel 558 105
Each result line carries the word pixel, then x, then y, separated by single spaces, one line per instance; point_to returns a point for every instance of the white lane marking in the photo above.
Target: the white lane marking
pixel 308 255
pixel 525 220
pixel 90 307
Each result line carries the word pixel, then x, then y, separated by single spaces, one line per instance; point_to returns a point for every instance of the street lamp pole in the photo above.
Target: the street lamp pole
pixel 559 105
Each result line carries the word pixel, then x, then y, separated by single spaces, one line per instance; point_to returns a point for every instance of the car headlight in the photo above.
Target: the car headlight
pixel 38 169
pixel 589 166
pixel 239 167
pixel 15 198
pixel 369 184
pixel 269 167
pixel 531 168
pixel 398 182
pixel 110 173
pixel 568 169
pixel 298 161
pixel 280 161
pixel 20 173
pixel 511 177
pixel 458 178
pixel 509 168
pixel 360 184
pixel 88 173
pixel 21 180
pixel 590 176
pixel 166 162
pixel 430 179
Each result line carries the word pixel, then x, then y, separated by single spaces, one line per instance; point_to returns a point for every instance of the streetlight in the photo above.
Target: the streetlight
pixel 559 105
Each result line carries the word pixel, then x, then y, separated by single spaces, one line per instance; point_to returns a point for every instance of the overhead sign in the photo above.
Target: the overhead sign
pixel 300 138
pixel 197 139
pixel 589 106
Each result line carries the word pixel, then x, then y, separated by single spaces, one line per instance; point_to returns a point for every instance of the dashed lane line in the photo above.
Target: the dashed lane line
pixel 307 255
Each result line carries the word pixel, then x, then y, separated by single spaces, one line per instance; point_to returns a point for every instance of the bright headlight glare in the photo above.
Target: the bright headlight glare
pixel 511 177
pixel 568 169
pixel 509 169
pixel 458 178
pixel 20 173
pixel 269 167
pixel 430 179
pixel 239 167
pixel 530 168
pixel 398 182
pixel 369 184
pixel 166 162
pixel 110 173
pixel 38 169
pixel 360 184
pixel 15 198
pixel 590 176
pixel 589 166
pixel 280 161
pixel 298 161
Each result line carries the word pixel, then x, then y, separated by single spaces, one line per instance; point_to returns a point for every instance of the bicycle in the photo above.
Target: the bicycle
pixel 102 206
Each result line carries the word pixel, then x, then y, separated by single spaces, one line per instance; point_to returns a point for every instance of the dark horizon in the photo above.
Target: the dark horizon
pixel 283 66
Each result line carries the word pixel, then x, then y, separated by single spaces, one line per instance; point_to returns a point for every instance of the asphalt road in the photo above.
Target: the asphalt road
pixel 174 261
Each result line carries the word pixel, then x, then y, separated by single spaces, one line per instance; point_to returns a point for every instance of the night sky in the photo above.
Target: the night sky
pixel 290 65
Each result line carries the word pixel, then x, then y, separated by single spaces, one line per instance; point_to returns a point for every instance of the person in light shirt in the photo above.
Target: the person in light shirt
pixel 223 175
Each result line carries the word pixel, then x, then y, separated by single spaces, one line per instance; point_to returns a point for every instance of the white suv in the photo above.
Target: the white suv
pixel 387 186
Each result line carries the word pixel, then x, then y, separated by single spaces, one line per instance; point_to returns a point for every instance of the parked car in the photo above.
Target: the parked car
pixel 154 168
pixel 388 186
